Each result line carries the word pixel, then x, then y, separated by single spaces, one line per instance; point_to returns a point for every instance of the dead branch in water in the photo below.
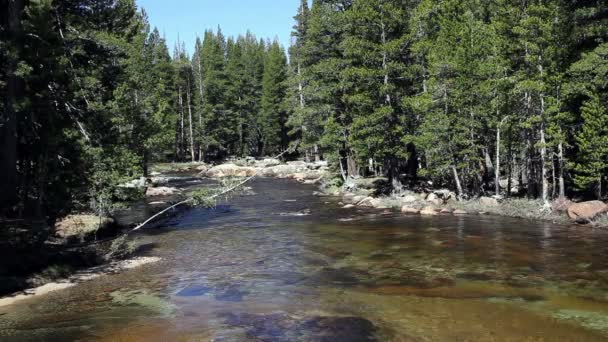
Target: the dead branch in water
pixel 190 200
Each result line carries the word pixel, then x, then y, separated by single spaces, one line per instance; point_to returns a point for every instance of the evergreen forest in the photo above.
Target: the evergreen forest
pixel 505 97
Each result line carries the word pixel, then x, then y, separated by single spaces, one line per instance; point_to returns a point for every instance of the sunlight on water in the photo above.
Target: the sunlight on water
pixel 251 271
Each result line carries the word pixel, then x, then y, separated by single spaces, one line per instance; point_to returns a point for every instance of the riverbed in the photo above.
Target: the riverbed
pixel 279 264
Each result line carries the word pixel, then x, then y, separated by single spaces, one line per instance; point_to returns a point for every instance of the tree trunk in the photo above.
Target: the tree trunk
pixel 497 169
pixel 543 166
pixel 387 98
pixel 190 122
pixel 457 182
pixel 11 20
pixel 560 156
pixel 181 117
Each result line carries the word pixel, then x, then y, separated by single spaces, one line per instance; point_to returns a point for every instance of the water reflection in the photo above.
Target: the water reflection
pixel 249 272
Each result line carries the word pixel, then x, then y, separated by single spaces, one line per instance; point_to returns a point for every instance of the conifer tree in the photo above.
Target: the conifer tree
pixel 273 115
pixel 592 143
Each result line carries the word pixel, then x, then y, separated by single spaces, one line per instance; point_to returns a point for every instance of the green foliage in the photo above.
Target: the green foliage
pixel 592 143
pixel 203 198
pixel 273 115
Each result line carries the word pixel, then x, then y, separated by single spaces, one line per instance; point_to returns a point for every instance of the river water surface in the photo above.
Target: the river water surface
pixel 283 265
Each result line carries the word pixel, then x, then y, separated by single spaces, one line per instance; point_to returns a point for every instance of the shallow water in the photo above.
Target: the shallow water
pixel 262 269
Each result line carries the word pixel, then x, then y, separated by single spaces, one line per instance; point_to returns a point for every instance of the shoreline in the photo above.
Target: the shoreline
pixel 78 278
pixel 434 203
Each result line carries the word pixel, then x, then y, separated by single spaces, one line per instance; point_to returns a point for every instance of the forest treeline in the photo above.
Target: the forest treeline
pixel 497 96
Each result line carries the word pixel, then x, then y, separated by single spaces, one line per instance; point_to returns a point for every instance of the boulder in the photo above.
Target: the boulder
pixel 202 168
pixel 230 170
pixel 451 197
pixel 586 211
pixel 284 171
pixel 348 206
pixel 159 181
pixel 358 199
pixel 298 163
pixel 81 226
pixel 366 202
pixel 348 198
pixel 488 201
pixel 428 211
pixel 408 210
pixel 446 211
pixel 409 199
pixel 379 203
pixel 459 212
pixel 268 162
pixel 162 191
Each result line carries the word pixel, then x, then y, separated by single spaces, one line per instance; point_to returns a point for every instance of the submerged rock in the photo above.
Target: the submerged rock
pixel 283 327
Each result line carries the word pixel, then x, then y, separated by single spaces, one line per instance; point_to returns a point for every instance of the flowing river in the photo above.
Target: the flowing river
pixel 283 265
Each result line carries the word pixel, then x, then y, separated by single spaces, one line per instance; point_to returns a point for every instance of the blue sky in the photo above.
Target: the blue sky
pixel 264 18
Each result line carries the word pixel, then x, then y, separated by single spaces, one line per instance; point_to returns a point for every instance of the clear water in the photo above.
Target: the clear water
pixel 256 271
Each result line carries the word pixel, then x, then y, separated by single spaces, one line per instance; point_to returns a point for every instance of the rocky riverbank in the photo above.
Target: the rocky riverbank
pixel 364 193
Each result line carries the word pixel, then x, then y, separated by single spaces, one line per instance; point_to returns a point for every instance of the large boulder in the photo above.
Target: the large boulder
pixel 434 199
pixel 488 201
pixel 162 191
pixel 283 171
pixel 409 199
pixel 367 202
pixel 429 211
pixel 230 170
pixel 586 211
pixel 81 227
pixel 268 162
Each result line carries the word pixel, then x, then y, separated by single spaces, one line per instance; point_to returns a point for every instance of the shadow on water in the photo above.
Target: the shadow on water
pixel 282 265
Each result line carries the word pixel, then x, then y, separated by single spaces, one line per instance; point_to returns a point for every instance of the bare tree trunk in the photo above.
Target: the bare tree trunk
pixel 188 99
pixel 543 158
pixel 497 169
pixel 387 96
pixel 351 165
pixel 553 178
pixel 560 157
pixel 181 116
pixel 457 182
pixel 200 110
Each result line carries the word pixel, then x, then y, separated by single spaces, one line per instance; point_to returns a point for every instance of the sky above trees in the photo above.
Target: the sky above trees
pixel 187 18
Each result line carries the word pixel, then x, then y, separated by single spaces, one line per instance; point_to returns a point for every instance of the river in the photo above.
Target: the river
pixel 280 264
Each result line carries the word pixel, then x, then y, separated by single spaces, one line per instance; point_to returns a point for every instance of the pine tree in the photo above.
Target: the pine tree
pixel 592 144
pixel 273 113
